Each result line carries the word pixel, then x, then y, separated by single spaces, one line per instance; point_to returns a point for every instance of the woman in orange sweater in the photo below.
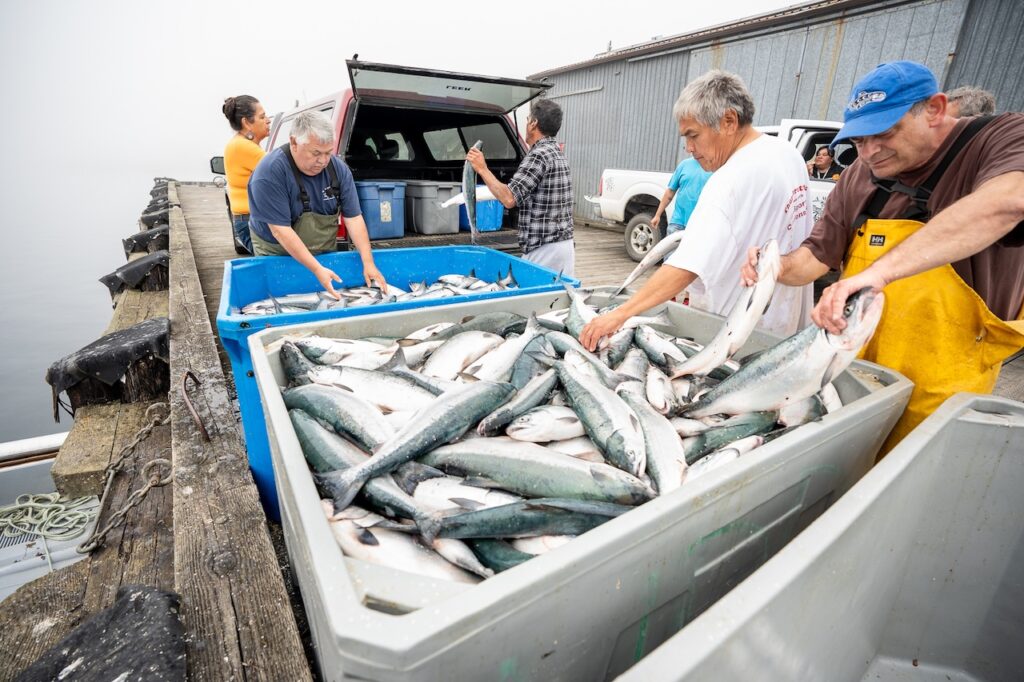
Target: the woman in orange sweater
pixel 242 153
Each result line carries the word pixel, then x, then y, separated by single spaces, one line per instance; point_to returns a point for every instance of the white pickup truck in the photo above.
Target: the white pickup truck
pixel 630 197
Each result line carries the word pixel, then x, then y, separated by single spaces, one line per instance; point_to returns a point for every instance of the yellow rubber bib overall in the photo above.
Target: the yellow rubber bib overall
pixel 935 329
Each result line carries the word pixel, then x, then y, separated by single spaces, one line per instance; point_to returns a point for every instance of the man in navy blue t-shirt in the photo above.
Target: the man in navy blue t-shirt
pixel 296 195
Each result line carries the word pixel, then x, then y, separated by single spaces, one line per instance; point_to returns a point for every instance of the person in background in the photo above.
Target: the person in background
pixel 685 185
pixel 241 155
pixel 823 166
pixel 541 188
pixel 932 213
pixel 758 191
pixel 296 195
pixel 968 100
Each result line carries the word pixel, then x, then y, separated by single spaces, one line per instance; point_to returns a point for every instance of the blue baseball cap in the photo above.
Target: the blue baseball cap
pixel 881 98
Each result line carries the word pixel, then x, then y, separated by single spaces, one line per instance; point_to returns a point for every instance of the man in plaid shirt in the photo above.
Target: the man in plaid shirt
pixel 542 189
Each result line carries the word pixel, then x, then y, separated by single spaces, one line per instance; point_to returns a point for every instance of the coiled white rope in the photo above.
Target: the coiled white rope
pixel 47 516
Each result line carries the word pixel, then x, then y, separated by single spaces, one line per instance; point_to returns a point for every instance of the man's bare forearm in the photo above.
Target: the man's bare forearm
pixel 664 284
pixel 961 230
pixel 498 188
pixel 665 198
pixel 801 267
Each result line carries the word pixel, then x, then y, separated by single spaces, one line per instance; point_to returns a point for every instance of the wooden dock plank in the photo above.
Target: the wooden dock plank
pixel 39 615
pixel 234 604
pixel 44 611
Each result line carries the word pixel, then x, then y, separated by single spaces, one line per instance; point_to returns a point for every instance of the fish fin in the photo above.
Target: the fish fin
pixel 466 376
pixel 750 301
pixel 543 358
pixel 513 282
pixel 672 369
pixel 367 537
pixel 467 504
pixel 411 474
pixel 397 359
pixel 472 273
pixel 661 319
pixel 575 506
pixel 467 318
pixel 345 486
pixel 568 420
pixel 617 378
pixel 429 526
pixel 832 371
pixel 480 482
pixel 544 505
pixel 747 359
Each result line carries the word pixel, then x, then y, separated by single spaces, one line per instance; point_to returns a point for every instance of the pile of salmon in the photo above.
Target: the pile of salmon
pixel 464 449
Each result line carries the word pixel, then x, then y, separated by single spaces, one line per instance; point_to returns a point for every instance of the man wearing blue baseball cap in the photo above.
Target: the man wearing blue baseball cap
pixel 932 213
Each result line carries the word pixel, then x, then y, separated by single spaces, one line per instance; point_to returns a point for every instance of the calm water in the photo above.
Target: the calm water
pixel 58 241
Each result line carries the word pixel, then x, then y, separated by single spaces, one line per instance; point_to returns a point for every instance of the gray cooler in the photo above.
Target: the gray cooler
pixel 590 609
pixel 917 573
pixel 423 213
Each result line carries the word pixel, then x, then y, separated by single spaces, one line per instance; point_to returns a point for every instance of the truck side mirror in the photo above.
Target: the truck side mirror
pixel 217 165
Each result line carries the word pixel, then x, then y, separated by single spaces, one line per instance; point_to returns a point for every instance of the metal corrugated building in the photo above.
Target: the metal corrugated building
pixel 798 63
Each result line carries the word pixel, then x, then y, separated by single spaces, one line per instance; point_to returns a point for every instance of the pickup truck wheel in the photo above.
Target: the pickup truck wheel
pixel 640 236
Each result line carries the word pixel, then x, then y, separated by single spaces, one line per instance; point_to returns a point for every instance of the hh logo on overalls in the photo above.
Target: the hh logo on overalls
pixel 877 240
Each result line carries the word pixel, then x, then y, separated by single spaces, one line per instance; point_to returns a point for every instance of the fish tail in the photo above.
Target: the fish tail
pixel 344 486
pixel 429 525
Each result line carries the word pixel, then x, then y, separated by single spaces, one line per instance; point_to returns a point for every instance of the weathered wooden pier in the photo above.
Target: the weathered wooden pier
pixel 203 536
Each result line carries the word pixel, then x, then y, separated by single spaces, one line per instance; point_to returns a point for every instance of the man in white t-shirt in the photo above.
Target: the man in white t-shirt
pixel 758 192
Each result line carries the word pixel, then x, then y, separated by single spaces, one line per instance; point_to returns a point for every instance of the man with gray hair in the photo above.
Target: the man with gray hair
pixel 758 192
pixel 296 195
pixel 968 100
pixel 542 190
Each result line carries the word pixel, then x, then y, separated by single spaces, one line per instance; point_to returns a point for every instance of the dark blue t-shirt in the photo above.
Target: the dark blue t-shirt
pixel 274 195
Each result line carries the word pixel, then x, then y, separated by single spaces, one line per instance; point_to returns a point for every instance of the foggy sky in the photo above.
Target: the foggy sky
pixel 101 97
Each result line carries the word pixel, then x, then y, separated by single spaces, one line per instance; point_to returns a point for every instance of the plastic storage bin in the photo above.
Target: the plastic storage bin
pixel 588 609
pixel 383 206
pixel 423 213
pixel 489 215
pixel 915 574
pixel 254 279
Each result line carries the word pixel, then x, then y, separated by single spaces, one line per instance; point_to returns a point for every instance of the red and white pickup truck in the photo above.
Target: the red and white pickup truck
pixel 406 123
pixel 631 197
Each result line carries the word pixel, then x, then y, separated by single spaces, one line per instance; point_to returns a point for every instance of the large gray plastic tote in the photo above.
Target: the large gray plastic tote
pixel 423 212
pixel 591 608
pixel 917 573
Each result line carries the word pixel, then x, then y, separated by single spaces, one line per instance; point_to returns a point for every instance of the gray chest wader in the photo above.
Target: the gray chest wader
pixel 319 232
